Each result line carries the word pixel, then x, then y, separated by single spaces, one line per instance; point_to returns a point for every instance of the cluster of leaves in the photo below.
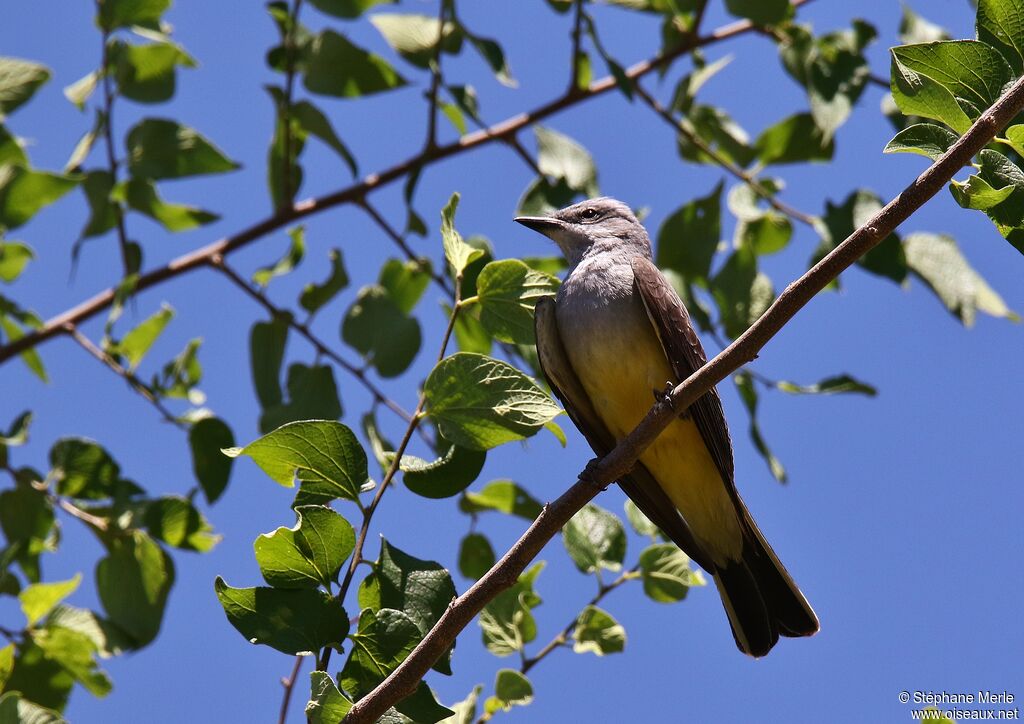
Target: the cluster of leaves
pixel 57 644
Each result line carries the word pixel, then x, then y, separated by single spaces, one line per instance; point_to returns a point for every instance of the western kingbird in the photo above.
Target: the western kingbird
pixel 616 332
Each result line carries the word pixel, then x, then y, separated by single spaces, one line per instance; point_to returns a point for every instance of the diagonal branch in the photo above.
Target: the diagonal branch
pixel 404 679
pixel 352 194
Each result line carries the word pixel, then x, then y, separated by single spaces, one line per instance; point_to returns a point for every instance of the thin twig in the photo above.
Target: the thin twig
pixel 276 312
pixel 404 679
pixel 201 257
pixel 287 192
pixel 577 46
pixel 133 381
pixel 745 176
pixel 357 553
pixel 435 81
pixel 289 686
pixel 108 137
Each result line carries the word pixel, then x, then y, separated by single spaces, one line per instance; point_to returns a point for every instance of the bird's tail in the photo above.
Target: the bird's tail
pixel 761 599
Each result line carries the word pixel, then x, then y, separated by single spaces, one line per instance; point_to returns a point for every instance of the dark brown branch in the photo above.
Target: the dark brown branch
pixel 435 81
pixel 745 176
pixel 276 312
pixel 201 257
pixel 403 680
pixel 577 46
pixel 133 381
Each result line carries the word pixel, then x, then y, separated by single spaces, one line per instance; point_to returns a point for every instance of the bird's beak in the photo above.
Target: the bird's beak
pixel 546 225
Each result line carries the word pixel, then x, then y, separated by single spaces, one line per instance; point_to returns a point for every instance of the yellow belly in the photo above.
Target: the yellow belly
pixel 620 371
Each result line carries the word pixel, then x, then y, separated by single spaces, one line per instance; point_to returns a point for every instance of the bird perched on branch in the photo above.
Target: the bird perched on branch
pixel 616 332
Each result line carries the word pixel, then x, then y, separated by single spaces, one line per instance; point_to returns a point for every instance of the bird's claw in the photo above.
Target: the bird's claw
pixel 589 473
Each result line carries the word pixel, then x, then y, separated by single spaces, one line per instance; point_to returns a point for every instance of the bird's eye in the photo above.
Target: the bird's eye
pixel 588 213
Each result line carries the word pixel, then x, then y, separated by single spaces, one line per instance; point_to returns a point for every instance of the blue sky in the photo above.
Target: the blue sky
pixel 901 518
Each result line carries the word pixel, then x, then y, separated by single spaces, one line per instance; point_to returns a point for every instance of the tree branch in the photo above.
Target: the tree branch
pixel 287 192
pixel 289 686
pixel 500 131
pixel 108 138
pixel 401 243
pixel 404 679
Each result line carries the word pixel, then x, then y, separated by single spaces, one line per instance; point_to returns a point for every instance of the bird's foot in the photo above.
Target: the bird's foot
pixel 665 397
pixel 589 474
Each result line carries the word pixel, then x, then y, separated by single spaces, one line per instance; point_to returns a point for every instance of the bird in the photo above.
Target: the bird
pixel 615 333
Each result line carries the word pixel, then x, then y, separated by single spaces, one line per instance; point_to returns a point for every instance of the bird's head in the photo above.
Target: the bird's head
pixel 592 226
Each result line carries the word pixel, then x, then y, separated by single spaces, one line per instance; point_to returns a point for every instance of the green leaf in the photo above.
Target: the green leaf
pixel 415 37
pixel 375 326
pixel 160 148
pixel 512 689
pixel 640 522
pixel 122 13
pixel 11 151
pixel 976 193
pixel 19 80
pixel 506 621
pixel 103 213
pixel 830 386
pixel 13 320
pixel 595 539
pixel 887 259
pixel 326 704
pixel 476 556
pixel 718 131
pixel 508 291
pixel 381 643
pixel 748 393
pixel 312 395
pixel 82 89
pixel 422 706
pixel 323 454
pixel 560 157
pixel 6 666
pixel 299 622
pixel 179 377
pixel 597 632
pixel 348 9
pixel 422 590
pixel 42 682
pixel 494 56
pixel 666 573
pixel 951 81
pixel 134 345
pixel 312 121
pixel 267 342
pixel 287 263
pixel 479 402
pixel 141 195
pixel 925 139
pixel 761 12
pixel 39 599
pixel 336 67
pixel 308 554
pixel 465 710
pixel 502 496
pixel 447 476
pixel 107 638
pixel 915 29
pixel 27 521
pixel 23 192
pixel 314 296
pixel 458 253
pixel 542 197
pixel 83 469
pixel 741 292
pixel 937 261
pixel 212 469
pixel 1001 25
pixel 146 73
pixel 767 234
pixel 380 446
pixel 177 522
pixel 405 281
pixel 795 139
pixel 688 238
pixel 74 653
pixel 14 256
pixel 133 582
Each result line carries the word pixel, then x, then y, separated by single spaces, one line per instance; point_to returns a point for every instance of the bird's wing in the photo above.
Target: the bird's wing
pixel 639 484
pixel 671 322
